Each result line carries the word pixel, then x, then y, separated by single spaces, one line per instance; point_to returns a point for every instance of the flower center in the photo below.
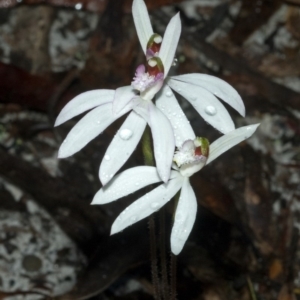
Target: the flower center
pixel 192 156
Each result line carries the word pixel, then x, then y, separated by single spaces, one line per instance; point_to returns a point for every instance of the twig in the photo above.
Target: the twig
pixel 251 289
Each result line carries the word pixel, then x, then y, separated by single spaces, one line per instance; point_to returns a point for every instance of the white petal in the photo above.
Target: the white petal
pixel 142 22
pixel 122 146
pixel 126 183
pixel 84 102
pixel 184 217
pixel 170 42
pixel 122 97
pixel 229 140
pixel 163 141
pixel 168 104
pixel 141 107
pixel 206 104
pixel 148 204
pixel 91 125
pixel 218 87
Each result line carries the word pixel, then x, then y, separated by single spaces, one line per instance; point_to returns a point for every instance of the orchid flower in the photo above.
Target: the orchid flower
pixel 191 157
pixel 166 119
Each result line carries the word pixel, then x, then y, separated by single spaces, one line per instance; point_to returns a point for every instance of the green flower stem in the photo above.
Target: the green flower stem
pixel 147 148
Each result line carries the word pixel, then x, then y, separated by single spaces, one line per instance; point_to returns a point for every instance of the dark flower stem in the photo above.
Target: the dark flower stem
pixel 163 259
pixel 173 277
pixel 149 161
pixel 154 265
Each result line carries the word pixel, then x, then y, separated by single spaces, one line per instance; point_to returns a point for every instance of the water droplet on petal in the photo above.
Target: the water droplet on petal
pixel 169 94
pixel 107 157
pixel 125 134
pixel 193 98
pixel 210 110
pixel 154 205
pixel 98 122
pixel 133 218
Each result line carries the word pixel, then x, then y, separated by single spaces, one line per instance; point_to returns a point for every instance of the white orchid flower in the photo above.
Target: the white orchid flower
pixel 192 156
pixel 167 121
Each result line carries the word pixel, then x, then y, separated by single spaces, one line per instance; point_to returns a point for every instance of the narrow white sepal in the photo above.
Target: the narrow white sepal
pixel 229 140
pixel 122 97
pixel 170 42
pixel 148 204
pixel 216 86
pixel 168 104
pixel 206 104
pixel 91 125
pixel 84 102
pixel 122 146
pixel 163 141
pixel 126 183
pixel 184 217
pixel 142 22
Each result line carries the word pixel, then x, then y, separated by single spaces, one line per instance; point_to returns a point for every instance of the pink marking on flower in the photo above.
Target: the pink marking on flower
pixel 143 80
pixel 188 153
pixel 140 70
pixel 150 53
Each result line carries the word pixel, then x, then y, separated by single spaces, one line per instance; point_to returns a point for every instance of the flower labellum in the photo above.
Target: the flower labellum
pixel 191 157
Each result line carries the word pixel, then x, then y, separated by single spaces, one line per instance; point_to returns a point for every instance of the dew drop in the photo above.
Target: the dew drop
pixel 78 6
pixel 210 110
pixel 169 94
pixel 125 134
pixel 249 128
pixel 154 205
pixel 193 98
pixel 133 218
pixel 98 122
pixel 107 157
